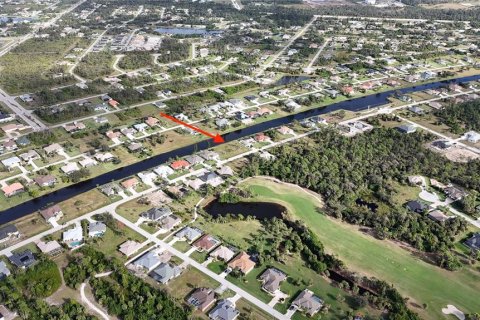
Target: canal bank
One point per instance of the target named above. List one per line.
(354, 105)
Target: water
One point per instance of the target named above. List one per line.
(355, 105)
(188, 31)
(290, 79)
(259, 210)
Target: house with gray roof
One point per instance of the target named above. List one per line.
(155, 214)
(211, 178)
(224, 310)
(272, 279)
(4, 272)
(96, 229)
(169, 222)
(407, 128)
(474, 242)
(189, 234)
(22, 259)
(165, 272)
(147, 261)
(7, 232)
(308, 302)
(194, 159)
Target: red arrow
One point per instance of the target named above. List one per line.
(217, 138)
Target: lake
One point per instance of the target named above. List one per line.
(259, 210)
(188, 31)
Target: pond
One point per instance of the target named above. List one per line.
(290, 79)
(188, 31)
(260, 210)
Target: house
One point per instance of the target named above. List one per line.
(307, 302)
(285, 130)
(129, 247)
(4, 271)
(73, 237)
(195, 184)
(8, 232)
(242, 262)
(151, 121)
(225, 171)
(438, 216)
(51, 248)
(113, 103)
(101, 120)
(473, 242)
(155, 214)
(209, 155)
(147, 261)
(45, 181)
(135, 146)
(51, 214)
(22, 259)
(271, 279)
(53, 148)
(223, 253)
(416, 206)
(416, 110)
(194, 159)
(291, 105)
(211, 178)
(261, 137)
(206, 243)
(141, 127)
(109, 189)
(224, 310)
(189, 234)
(23, 141)
(472, 136)
(147, 177)
(114, 136)
(222, 123)
(163, 171)
(347, 90)
(169, 222)
(87, 162)
(179, 165)
(165, 272)
(202, 298)
(96, 229)
(130, 183)
(30, 155)
(104, 157)
(11, 162)
(10, 145)
(454, 193)
(74, 127)
(13, 189)
(442, 144)
(9, 128)
(69, 168)
(407, 128)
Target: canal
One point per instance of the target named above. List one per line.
(355, 105)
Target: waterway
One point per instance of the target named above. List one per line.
(188, 31)
(355, 105)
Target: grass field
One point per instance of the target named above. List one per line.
(414, 278)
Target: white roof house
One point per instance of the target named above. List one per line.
(472, 136)
(163, 171)
(129, 247)
(87, 162)
(49, 247)
(223, 253)
(73, 236)
(147, 177)
(70, 167)
(11, 162)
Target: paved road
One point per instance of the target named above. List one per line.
(21, 112)
(310, 65)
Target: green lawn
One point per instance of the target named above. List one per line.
(217, 266)
(414, 278)
(251, 284)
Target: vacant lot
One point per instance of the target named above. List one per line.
(414, 278)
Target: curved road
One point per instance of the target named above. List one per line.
(90, 305)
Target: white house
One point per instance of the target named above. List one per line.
(73, 237)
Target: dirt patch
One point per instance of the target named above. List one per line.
(459, 154)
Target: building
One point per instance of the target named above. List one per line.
(179, 165)
(163, 171)
(96, 229)
(45, 181)
(147, 261)
(407, 128)
(416, 206)
(73, 237)
(4, 271)
(416, 110)
(189, 234)
(223, 253)
(22, 259)
(472, 136)
(438, 216)
(224, 310)
(194, 159)
(53, 148)
(13, 189)
(202, 298)
(129, 183)
(211, 178)
(51, 248)
(474, 242)
(454, 193)
(8, 232)
(170, 222)
(225, 171)
(87, 162)
(30, 155)
(70, 168)
(307, 302)
(165, 272)
(242, 263)
(11, 162)
(51, 214)
(129, 247)
(272, 278)
(206, 243)
(155, 214)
